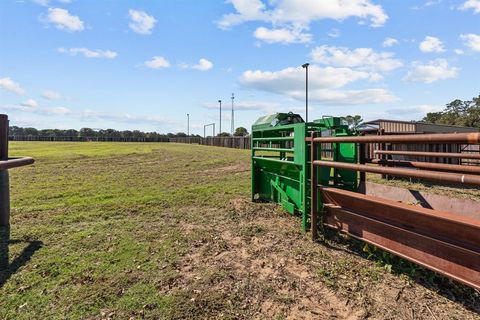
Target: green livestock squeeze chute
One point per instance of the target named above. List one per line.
(281, 162)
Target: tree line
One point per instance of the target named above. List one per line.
(105, 133)
(457, 113)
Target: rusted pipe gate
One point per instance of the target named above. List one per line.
(5, 164)
(445, 242)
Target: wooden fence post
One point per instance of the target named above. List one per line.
(4, 180)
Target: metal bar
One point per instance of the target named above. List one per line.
(429, 165)
(313, 189)
(430, 154)
(274, 139)
(15, 162)
(276, 160)
(457, 229)
(273, 149)
(472, 138)
(455, 262)
(407, 173)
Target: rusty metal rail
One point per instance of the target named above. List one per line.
(455, 155)
(444, 177)
(464, 138)
(429, 165)
(445, 242)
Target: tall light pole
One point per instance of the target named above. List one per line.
(220, 120)
(305, 66)
(188, 124)
(233, 115)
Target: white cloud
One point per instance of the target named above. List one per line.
(141, 22)
(87, 53)
(363, 58)
(388, 42)
(471, 4)
(427, 4)
(203, 65)
(472, 41)
(435, 70)
(46, 3)
(247, 105)
(51, 95)
(415, 110)
(157, 62)
(31, 106)
(324, 84)
(302, 12)
(289, 18)
(12, 86)
(282, 35)
(29, 103)
(431, 44)
(41, 2)
(63, 20)
(459, 51)
(334, 33)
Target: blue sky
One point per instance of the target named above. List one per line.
(144, 65)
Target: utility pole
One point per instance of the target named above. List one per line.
(233, 116)
(305, 66)
(188, 125)
(220, 120)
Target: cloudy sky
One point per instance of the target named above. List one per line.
(139, 64)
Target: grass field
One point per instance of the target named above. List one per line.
(132, 230)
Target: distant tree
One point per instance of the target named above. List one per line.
(181, 135)
(70, 133)
(241, 132)
(87, 132)
(224, 134)
(353, 121)
(30, 132)
(458, 112)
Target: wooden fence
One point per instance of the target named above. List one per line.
(227, 142)
(86, 139)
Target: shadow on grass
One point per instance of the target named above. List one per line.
(452, 290)
(7, 269)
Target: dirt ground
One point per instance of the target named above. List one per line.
(260, 265)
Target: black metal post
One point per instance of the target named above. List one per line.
(305, 66)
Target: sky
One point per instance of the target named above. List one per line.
(139, 64)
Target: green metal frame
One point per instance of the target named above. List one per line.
(281, 161)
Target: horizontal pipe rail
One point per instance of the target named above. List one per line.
(429, 165)
(450, 260)
(272, 149)
(465, 138)
(273, 139)
(15, 162)
(276, 160)
(406, 173)
(446, 226)
(430, 154)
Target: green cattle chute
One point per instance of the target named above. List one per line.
(281, 160)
